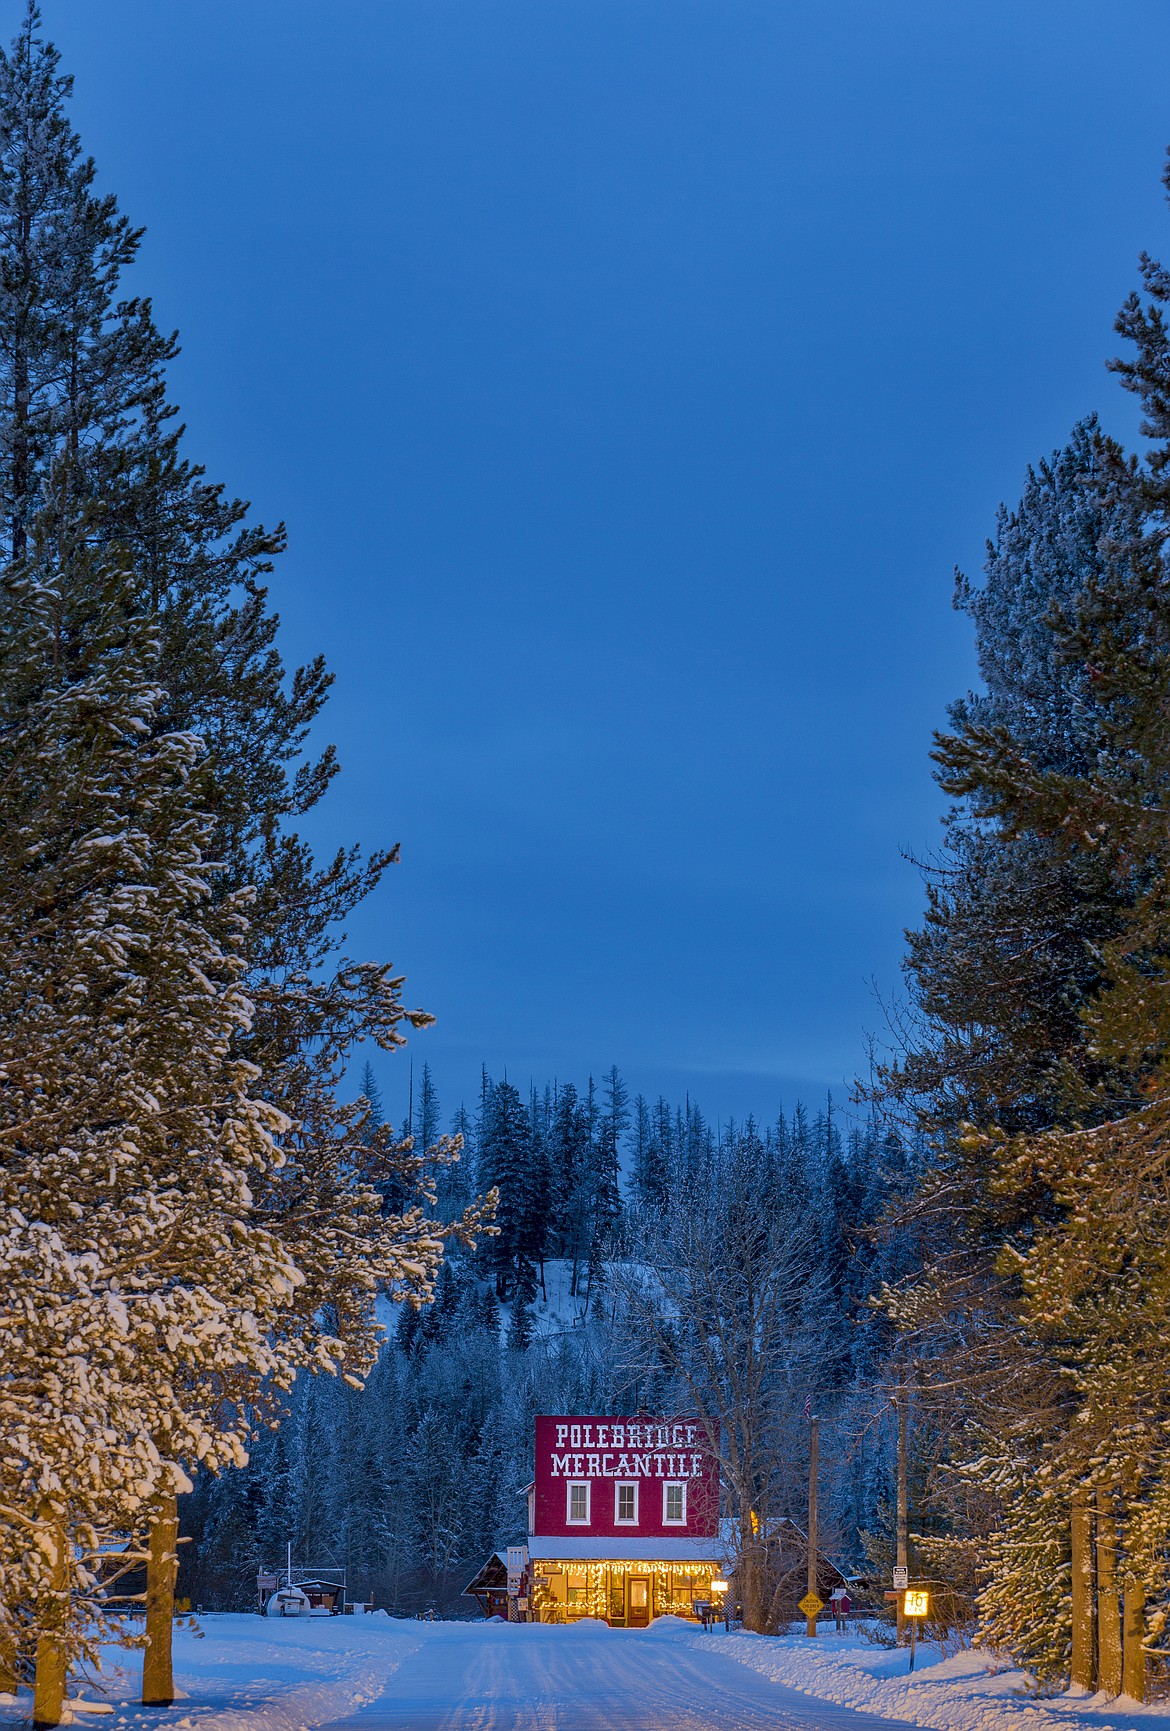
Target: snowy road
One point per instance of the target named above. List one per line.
(500, 1677)
(238, 1672)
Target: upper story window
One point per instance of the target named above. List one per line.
(577, 1513)
(674, 1505)
(625, 1507)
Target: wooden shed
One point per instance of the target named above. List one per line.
(489, 1588)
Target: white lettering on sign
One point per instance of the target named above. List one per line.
(626, 1466)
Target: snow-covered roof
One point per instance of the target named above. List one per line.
(581, 1550)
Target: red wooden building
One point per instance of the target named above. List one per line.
(623, 1520)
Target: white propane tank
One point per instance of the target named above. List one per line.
(288, 1602)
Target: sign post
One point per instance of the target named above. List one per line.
(915, 1604)
(810, 1627)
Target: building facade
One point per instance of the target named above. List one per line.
(623, 1520)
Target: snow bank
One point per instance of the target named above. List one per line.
(962, 1692)
(246, 1673)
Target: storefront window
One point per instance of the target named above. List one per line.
(576, 1592)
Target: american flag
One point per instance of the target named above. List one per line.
(808, 1407)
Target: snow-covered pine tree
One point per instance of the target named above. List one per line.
(1002, 972)
(1006, 958)
(1049, 1204)
(91, 461)
(1093, 1268)
(136, 1277)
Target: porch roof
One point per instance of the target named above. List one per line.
(626, 1550)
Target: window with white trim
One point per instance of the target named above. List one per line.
(577, 1499)
(625, 1505)
(674, 1505)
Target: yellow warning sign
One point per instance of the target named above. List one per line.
(915, 1604)
(810, 1605)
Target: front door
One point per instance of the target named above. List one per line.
(638, 1602)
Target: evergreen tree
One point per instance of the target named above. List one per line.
(651, 1155)
(520, 1326)
(569, 1180)
(1047, 1195)
(140, 1277)
(373, 1094)
(109, 524)
(607, 1199)
(1008, 957)
(426, 1113)
(514, 1167)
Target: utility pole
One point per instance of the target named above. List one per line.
(903, 1515)
(810, 1627)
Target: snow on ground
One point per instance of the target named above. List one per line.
(966, 1691)
(555, 1310)
(381, 1674)
(245, 1673)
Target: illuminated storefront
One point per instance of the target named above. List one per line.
(628, 1592)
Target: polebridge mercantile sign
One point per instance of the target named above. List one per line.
(634, 1477)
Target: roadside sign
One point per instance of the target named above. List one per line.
(901, 1579)
(811, 1605)
(916, 1604)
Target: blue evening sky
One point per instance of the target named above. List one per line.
(631, 374)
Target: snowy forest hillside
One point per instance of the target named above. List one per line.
(411, 1482)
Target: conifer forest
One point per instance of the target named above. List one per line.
(244, 1313)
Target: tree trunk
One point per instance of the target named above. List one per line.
(51, 1662)
(1108, 1603)
(1083, 1657)
(158, 1683)
(9, 1667)
(749, 1576)
(1133, 1654)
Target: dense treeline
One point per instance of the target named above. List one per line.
(411, 1482)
